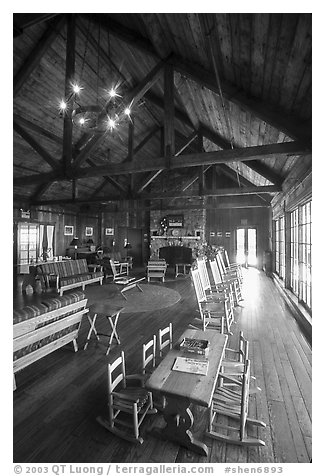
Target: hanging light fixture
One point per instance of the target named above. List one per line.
(96, 117)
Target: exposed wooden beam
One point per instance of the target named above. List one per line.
(169, 128)
(279, 151)
(36, 55)
(255, 165)
(137, 149)
(229, 192)
(214, 137)
(41, 189)
(226, 192)
(69, 78)
(54, 163)
(36, 128)
(153, 175)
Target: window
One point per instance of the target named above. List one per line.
(300, 253)
(27, 245)
(305, 254)
(280, 247)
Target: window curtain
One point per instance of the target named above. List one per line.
(50, 233)
(41, 235)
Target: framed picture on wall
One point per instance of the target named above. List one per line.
(89, 231)
(68, 230)
(109, 231)
(175, 221)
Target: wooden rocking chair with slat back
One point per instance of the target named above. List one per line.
(212, 314)
(233, 405)
(233, 366)
(125, 400)
(214, 293)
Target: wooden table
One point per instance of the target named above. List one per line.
(111, 314)
(181, 389)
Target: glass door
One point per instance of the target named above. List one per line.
(246, 246)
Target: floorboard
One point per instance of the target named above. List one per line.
(59, 397)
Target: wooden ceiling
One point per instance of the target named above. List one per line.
(221, 105)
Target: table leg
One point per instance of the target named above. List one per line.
(114, 331)
(179, 421)
(92, 329)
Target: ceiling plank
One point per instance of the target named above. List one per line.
(279, 151)
(276, 118)
(36, 55)
(54, 163)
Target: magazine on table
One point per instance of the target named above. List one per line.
(190, 365)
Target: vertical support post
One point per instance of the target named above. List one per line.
(131, 152)
(201, 168)
(69, 78)
(169, 110)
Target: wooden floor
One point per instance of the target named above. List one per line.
(58, 398)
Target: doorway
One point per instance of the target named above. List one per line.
(246, 252)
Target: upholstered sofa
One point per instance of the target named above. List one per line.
(41, 328)
(68, 274)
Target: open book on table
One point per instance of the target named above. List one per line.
(190, 365)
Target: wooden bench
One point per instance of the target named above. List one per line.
(69, 274)
(156, 268)
(42, 328)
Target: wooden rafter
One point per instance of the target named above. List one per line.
(153, 175)
(54, 163)
(229, 192)
(36, 55)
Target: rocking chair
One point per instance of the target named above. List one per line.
(134, 401)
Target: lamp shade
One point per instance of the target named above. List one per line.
(74, 242)
(90, 241)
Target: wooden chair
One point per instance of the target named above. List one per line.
(232, 272)
(212, 314)
(135, 401)
(233, 365)
(230, 280)
(156, 268)
(232, 266)
(233, 405)
(165, 339)
(119, 269)
(215, 292)
(148, 361)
